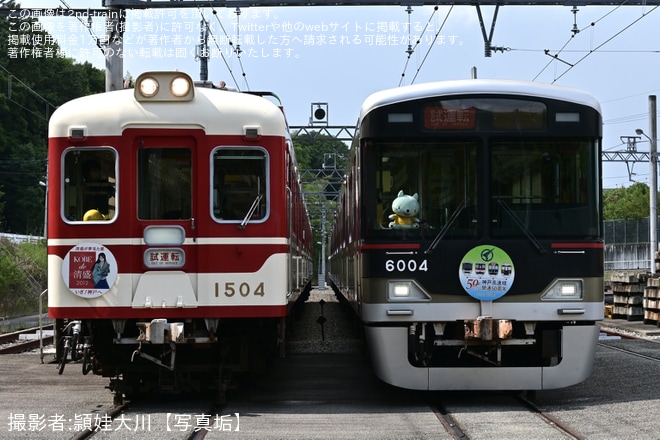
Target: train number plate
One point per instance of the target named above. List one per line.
(403, 265)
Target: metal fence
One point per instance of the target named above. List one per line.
(627, 244)
(631, 231)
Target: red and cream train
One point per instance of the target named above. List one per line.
(178, 232)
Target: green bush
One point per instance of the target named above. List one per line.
(23, 276)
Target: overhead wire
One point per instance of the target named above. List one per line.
(575, 31)
(411, 48)
(555, 57)
(627, 118)
(604, 43)
(29, 89)
(432, 43)
(512, 49)
(21, 179)
(650, 92)
(87, 25)
(214, 39)
(624, 119)
(236, 49)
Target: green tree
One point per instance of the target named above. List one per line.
(323, 158)
(38, 79)
(623, 203)
(313, 150)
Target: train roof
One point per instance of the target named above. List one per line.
(477, 87)
(215, 111)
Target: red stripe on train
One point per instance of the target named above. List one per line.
(169, 313)
(578, 246)
(368, 246)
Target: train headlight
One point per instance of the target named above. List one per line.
(148, 87)
(405, 290)
(401, 290)
(180, 86)
(163, 87)
(564, 290)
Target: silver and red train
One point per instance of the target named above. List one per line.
(177, 231)
(469, 234)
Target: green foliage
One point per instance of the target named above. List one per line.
(23, 276)
(313, 151)
(32, 87)
(624, 203)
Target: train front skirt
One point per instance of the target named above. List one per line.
(389, 352)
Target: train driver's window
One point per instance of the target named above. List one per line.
(239, 184)
(440, 175)
(165, 183)
(90, 184)
(541, 187)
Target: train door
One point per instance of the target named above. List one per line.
(166, 209)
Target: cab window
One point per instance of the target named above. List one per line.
(90, 184)
(440, 176)
(164, 184)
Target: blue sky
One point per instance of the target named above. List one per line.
(341, 54)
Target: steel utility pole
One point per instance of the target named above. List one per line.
(653, 181)
(653, 223)
(653, 128)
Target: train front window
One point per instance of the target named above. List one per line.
(544, 188)
(90, 184)
(164, 183)
(441, 174)
(239, 184)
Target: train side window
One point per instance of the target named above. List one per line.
(239, 184)
(90, 184)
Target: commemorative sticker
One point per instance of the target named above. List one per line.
(89, 270)
(486, 272)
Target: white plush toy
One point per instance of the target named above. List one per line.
(405, 209)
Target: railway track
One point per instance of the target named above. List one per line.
(549, 419)
(10, 343)
(654, 358)
(498, 415)
(482, 415)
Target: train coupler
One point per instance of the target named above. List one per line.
(486, 328)
(154, 359)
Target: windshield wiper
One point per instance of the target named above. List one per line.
(521, 225)
(250, 212)
(446, 227)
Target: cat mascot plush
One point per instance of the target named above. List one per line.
(405, 209)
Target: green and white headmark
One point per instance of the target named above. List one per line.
(486, 272)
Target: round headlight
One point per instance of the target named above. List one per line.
(148, 87)
(180, 86)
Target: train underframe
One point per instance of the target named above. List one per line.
(201, 356)
(484, 342)
(168, 355)
(483, 354)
